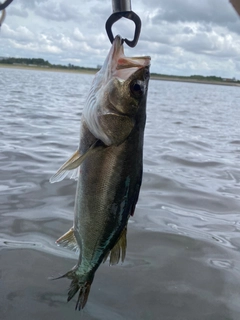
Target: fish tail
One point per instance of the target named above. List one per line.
(79, 283)
(84, 289)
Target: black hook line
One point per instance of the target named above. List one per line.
(5, 4)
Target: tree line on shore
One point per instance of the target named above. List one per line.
(198, 78)
(41, 63)
(44, 63)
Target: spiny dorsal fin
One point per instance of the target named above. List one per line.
(73, 163)
(68, 240)
(119, 250)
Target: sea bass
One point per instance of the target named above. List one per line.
(110, 154)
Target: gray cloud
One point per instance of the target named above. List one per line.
(206, 12)
(29, 4)
(214, 11)
(58, 11)
(17, 12)
(182, 36)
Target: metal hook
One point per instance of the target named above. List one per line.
(122, 9)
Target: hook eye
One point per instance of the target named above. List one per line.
(128, 15)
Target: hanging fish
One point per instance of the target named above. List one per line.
(110, 154)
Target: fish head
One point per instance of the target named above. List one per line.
(118, 95)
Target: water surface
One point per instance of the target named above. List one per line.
(183, 259)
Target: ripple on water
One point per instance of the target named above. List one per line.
(224, 264)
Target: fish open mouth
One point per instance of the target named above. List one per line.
(123, 67)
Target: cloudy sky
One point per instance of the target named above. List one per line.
(183, 37)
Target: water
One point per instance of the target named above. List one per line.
(183, 259)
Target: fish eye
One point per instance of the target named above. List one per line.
(136, 88)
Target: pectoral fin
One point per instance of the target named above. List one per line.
(66, 170)
(119, 250)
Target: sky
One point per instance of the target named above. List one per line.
(183, 37)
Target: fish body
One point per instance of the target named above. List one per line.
(110, 154)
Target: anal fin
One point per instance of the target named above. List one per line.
(68, 240)
(119, 250)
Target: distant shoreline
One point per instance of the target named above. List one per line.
(36, 68)
(219, 83)
(86, 71)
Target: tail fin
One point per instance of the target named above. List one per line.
(77, 284)
(83, 293)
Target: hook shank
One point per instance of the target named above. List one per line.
(121, 5)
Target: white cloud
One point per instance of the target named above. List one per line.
(77, 35)
(43, 48)
(21, 34)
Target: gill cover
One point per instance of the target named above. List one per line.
(115, 95)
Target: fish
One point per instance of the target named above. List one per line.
(107, 165)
